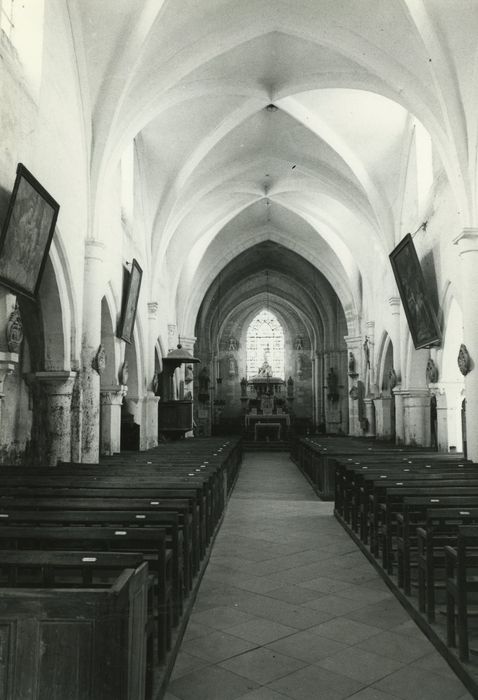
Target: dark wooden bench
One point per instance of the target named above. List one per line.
(150, 542)
(48, 634)
(461, 584)
(440, 529)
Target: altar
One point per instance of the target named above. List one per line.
(264, 422)
(265, 414)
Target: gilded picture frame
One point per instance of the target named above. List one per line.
(130, 302)
(26, 234)
(420, 314)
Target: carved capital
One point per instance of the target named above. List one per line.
(113, 395)
(56, 383)
(153, 307)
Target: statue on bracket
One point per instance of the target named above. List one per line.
(351, 364)
(233, 344)
(99, 360)
(124, 374)
(366, 349)
(392, 379)
(155, 383)
(431, 372)
(464, 360)
(299, 344)
(14, 330)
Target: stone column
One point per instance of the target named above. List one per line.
(149, 422)
(416, 417)
(111, 399)
(467, 243)
(354, 345)
(383, 417)
(8, 363)
(56, 389)
(394, 303)
(148, 432)
(91, 339)
(448, 396)
(370, 416)
(399, 394)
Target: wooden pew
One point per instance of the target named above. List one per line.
(150, 542)
(461, 583)
(101, 500)
(48, 635)
(113, 519)
(440, 529)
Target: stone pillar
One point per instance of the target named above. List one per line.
(354, 345)
(383, 417)
(394, 303)
(467, 243)
(370, 416)
(399, 394)
(111, 399)
(8, 363)
(150, 414)
(416, 417)
(148, 431)
(56, 388)
(91, 339)
(448, 396)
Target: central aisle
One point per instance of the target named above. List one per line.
(290, 608)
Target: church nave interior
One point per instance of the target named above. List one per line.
(231, 228)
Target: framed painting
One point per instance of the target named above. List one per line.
(421, 317)
(130, 302)
(26, 234)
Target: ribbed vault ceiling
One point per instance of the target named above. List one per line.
(218, 172)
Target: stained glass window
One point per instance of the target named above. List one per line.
(265, 346)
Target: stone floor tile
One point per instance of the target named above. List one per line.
(257, 584)
(262, 665)
(367, 595)
(347, 631)
(313, 682)
(434, 662)
(334, 604)
(398, 646)
(264, 693)
(409, 628)
(371, 693)
(260, 631)
(385, 614)
(325, 584)
(307, 646)
(220, 617)
(211, 683)
(360, 665)
(318, 622)
(194, 631)
(411, 682)
(217, 646)
(294, 594)
(185, 663)
(285, 613)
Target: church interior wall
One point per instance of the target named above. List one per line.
(50, 122)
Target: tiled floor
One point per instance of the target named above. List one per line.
(289, 608)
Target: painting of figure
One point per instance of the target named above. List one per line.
(421, 317)
(26, 234)
(130, 302)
